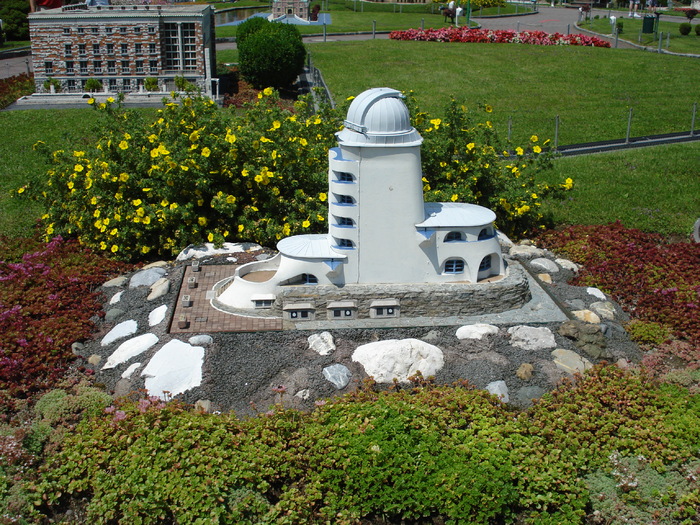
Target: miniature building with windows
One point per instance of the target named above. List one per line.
(290, 8)
(122, 45)
(381, 232)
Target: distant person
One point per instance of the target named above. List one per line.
(41, 5)
(652, 5)
(634, 6)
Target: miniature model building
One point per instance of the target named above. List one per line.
(290, 8)
(121, 46)
(383, 239)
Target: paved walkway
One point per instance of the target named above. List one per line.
(549, 19)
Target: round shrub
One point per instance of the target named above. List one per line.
(250, 26)
(272, 56)
(697, 29)
(92, 85)
(684, 28)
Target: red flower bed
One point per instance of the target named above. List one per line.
(46, 301)
(466, 35)
(652, 280)
(15, 87)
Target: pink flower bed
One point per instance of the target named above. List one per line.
(464, 34)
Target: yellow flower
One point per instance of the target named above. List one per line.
(103, 245)
(537, 149)
(145, 249)
(123, 177)
(206, 152)
(70, 185)
(91, 101)
(240, 228)
(230, 137)
(322, 197)
(78, 168)
(267, 91)
(210, 237)
(436, 122)
(276, 124)
(286, 229)
(488, 109)
(110, 100)
(230, 199)
(305, 224)
(114, 248)
(173, 206)
(470, 146)
(123, 145)
(454, 197)
(303, 142)
(320, 217)
(140, 212)
(164, 203)
(96, 213)
(136, 202)
(519, 150)
(194, 136)
(245, 173)
(534, 138)
(202, 221)
(568, 184)
(533, 195)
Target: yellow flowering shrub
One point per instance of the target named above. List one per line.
(196, 173)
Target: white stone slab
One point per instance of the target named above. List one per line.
(531, 338)
(116, 297)
(123, 329)
(130, 371)
(146, 277)
(596, 293)
(175, 368)
(499, 389)
(159, 289)
(476, 331)
(131, 348)
(570, 362)
(321, 343)
(157, 315)
(398, 358)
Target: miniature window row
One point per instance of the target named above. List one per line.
(108, 30)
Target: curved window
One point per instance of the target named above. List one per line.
(454, 266)
(485, 264)
(345, 243)
(485, 234)
(345, 221)
(308, 278)
(341, 176)
(454, 237)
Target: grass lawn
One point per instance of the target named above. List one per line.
(591, 89)
(631, 32)
(654, 189)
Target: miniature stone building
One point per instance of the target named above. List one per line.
(123, 45)
(290, 8)
(385, 247)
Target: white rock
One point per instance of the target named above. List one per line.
(321, 343)
(128, 349)
(545, 278)
(337, 374)
(156, 264)
(130, 371)
(146, 277)
(499, 389)
(604, 309)
(200, 340)
(530, 338)
(586, 316)
(199, 251)
(503, 239)
(568, 265)
(596, 293)
(116, 282)
(525, 251)
(116, 297)
(123, 329)
(175, 368)
(570, 362)
(542, 264)
(303, 394)
(476, 331)
(399, 358)
(157, 315)
(159, 289)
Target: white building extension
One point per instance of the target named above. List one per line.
(380, 229)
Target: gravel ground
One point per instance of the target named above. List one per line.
(241, 369)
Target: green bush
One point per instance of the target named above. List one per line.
(52, 82)
(697, 29)
(13, 14)
(151, 84)
(272, 56)
(620, 26)
(92, 85)
(684, 28)
(250, 26)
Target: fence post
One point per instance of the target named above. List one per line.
(422, 24)
(568, 29)
(617, 36)
(510, 126)
(629, 127)
(661, 40)
(692, 121)
(668, 40)
(324, 31)
(374, 29)
(556, 133)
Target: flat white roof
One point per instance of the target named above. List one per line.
(312, 246)
(455, 215)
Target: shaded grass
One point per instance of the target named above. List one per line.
(591, 89)
(653, 189)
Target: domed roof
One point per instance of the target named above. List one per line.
(378, 117)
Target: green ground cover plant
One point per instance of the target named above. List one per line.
(591, 107)
(419, 453)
